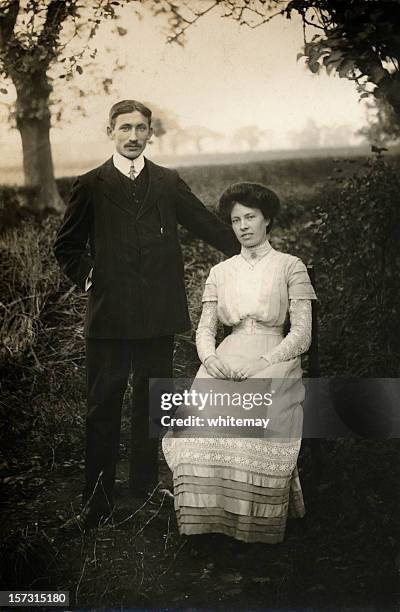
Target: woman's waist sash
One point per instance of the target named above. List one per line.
(252, 326)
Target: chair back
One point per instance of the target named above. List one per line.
(313, 353)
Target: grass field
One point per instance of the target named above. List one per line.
(342, 556)
(11, 167)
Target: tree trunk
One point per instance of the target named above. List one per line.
(38, 164)
(33, 123)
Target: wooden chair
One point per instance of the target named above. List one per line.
(313, 371)
(313, 354)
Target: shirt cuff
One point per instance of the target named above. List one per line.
(88, 281)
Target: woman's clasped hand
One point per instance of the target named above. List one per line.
(220, 368)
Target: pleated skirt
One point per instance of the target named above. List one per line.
(241, 487)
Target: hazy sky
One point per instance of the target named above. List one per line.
(229, 76)
(226, 76)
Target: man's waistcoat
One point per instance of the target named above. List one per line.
(138, 277)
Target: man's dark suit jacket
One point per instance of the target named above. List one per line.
(138, 278)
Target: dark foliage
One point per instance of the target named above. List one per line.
(356, 231)
(15, 205)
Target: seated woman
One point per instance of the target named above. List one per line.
(246, 487)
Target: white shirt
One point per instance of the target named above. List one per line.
(123, 164)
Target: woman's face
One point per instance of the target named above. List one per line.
(249, 224)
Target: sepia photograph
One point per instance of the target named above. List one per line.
(200, 305)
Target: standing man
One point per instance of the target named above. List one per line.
(119, 242)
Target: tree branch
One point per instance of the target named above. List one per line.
(180, 18)
(312, 24)
(8, 20)
(57, 12)
(263, 21)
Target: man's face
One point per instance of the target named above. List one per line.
(130, 134)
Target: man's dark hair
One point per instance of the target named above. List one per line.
(253, 195)
(127, 106)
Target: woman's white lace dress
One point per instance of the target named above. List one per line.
(246, 487)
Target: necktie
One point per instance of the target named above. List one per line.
(132, 172)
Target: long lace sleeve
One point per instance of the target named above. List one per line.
(206, 331)
(298, 339)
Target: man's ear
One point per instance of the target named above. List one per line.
(109, 131)
(150, 134)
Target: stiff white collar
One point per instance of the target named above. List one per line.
(252, 254)
(123, 164)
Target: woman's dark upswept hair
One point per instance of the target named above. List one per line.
(253, 195)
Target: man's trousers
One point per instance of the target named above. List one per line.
(108, 365)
